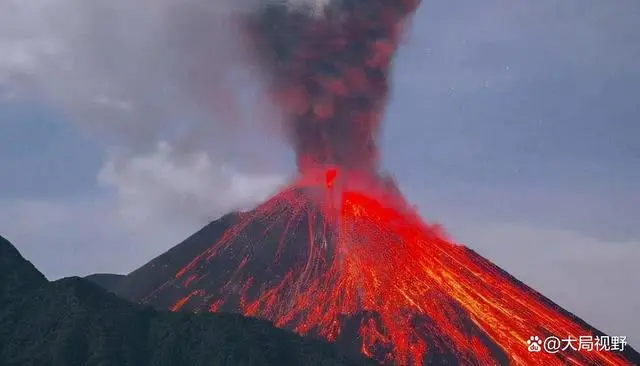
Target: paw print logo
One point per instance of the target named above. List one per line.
(534, 343)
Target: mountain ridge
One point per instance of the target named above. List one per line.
(17, 275)
(73, 321)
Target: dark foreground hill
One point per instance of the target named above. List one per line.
(106, 280)
(75, 322)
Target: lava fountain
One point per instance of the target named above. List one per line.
(338, 253)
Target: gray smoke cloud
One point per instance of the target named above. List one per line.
(135, 69)
(166, 83)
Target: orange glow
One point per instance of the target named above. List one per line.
(382, 259)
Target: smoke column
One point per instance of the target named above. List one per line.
(328, 69)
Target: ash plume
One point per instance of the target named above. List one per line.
(327, 67)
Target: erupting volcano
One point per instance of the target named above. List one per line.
(338, 253)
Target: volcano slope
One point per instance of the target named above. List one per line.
(74, 322)
(382, 284)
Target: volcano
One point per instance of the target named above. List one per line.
(369, 277)
(338, 253)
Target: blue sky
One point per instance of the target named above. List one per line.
(514, 124)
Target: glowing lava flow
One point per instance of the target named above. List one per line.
(339, 254)
(413, 292)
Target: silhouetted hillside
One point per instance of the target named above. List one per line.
(106, 280)
(75, 322)
(17, 275)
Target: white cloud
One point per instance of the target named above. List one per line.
(162, 187)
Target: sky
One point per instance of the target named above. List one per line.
(127, 126)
